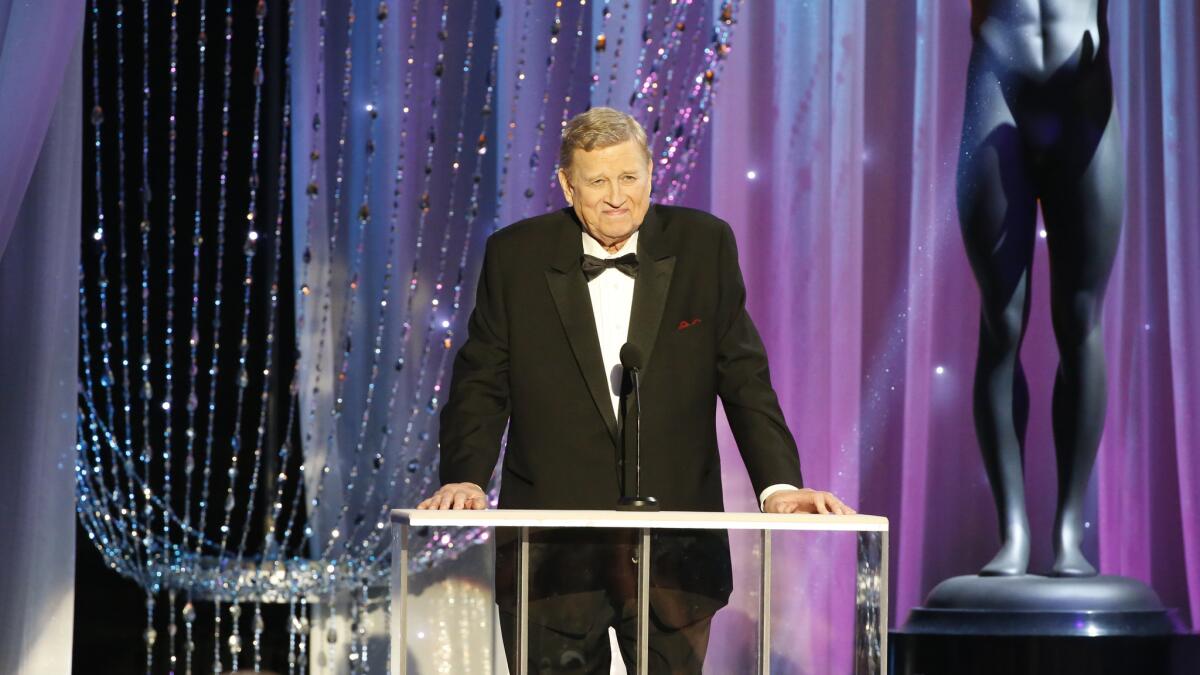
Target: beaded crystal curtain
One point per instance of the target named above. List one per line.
(280, 247)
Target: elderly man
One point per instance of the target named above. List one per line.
(558, 297)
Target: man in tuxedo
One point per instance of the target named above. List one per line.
(558, 296)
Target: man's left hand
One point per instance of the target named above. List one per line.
(806, 500)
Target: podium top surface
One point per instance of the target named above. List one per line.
(698, 520)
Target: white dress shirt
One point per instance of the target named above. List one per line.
(611, 292)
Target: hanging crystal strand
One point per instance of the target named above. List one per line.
(217, 667)
(355, 637)
(106, 524)
(555, 133)
(656, 87)
(251, 245)
(249, 248)
(615, 70)
(150, 635)
(301, 300)
(312, 190)
(640, 69)
(556, 28)
(535, 156)
(419, 245)
(259, 625)
(419, 403)
(243, 377)
(327, 283)
(293, 629)
(510, 134)
(350, 299)
(218, 292)
(235, 633)
(301, 304)
(153, 552)
(705, 92)
(376, 547)
(128, 502)
(169, 552)
(687, 124)
(189, 647)
(331, 631)
(193, 401)
(305, 626)
(368, 548)
(363, 621)
(123, 420)
(380, 455)
(172, 631)
(425, 207)
(601, 46)
(274, 548)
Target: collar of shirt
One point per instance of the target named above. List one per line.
(593, 248)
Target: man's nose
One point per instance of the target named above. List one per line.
(615, 197)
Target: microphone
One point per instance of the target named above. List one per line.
(631, 363)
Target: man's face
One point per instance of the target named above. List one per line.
(609, 188)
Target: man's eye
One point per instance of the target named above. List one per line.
(628, 179)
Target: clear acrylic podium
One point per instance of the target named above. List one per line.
(522, 532)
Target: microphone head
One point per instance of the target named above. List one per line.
(631, 356)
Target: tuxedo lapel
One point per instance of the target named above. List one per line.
(656, 265)
(569, 289)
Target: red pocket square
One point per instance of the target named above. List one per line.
(685, 324)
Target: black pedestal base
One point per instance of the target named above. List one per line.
(932, 654)
(1036, 605)
(1035, 625)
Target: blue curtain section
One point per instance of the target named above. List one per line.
(41, 93)
(834, 149)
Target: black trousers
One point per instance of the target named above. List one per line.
(582, 582)
(672, 650)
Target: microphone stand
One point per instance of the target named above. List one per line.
(637, 502)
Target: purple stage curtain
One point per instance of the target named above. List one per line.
(849, 116)
(41, 142)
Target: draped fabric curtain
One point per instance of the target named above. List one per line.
(41, 93)
(834, 153)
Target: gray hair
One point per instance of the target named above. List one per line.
(599, 128)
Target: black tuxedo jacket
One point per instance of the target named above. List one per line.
(532, 362)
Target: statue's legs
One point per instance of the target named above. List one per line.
(997, 212)
(1083, 206)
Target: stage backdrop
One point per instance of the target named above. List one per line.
(834, 152)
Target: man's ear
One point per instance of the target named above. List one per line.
(565, 183)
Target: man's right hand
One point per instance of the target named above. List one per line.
(456, 496)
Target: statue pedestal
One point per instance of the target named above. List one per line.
(1034, 624)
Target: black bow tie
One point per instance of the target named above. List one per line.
(593, 266)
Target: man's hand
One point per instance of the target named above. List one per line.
(456, 496)
(806, 500)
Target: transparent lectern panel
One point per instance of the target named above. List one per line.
(805, 620)
(477, 600)
(445, 608)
